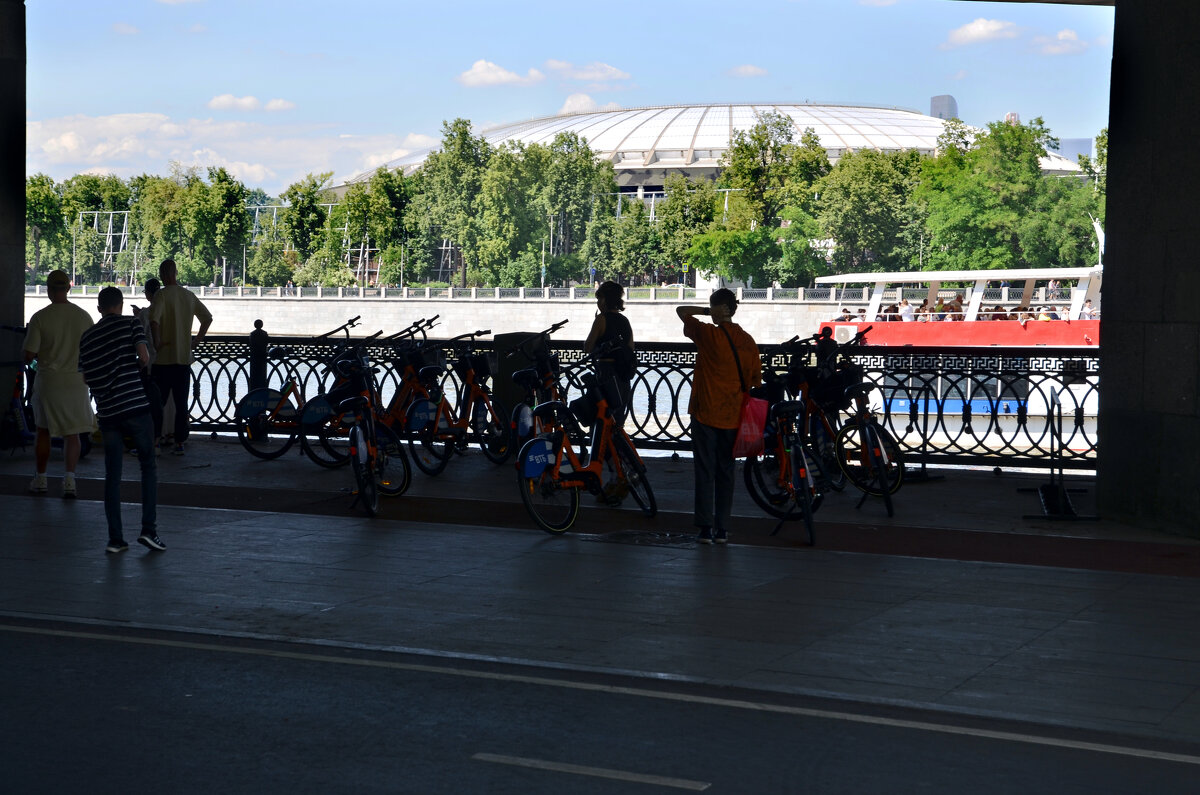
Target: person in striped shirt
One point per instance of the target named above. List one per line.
(112, 355)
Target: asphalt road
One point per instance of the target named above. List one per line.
(96, 709)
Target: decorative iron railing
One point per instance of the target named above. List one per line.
(944, 405)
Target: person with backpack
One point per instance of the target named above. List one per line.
(619, 366)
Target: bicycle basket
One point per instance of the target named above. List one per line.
(797, 376)
(830, 392)
(475, 361)
(770, 391)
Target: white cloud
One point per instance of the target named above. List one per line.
(230, 102)
(1065, 42)
(747, 70)
(879, 3)
(959, 75)
(124, 29)
(978, 31)
(198, 28)
(582, 103)
(267, 155)
(486, 73)
(280, 104)
(595, 71)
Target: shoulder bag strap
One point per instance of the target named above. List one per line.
(736, 359)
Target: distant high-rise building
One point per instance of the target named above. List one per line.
(1012, 117)
(943, 106)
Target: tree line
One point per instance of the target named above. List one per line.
(523, 215)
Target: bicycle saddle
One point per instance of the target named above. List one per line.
(855, 391)
(787, 407)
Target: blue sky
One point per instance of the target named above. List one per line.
(273, 90)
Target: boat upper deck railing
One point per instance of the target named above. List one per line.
(852, 297)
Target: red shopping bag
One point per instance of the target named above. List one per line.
(749, 439)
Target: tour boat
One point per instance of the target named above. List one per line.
(1058, 316)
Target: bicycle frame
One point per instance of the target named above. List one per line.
(559, 449)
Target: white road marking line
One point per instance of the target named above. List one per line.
(598, 772)
(729, 703)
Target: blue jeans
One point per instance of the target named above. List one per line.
(712, 454)
(139, 428)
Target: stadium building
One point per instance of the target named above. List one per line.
(646, 144)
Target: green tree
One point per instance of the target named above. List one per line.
(271, 265)
(863, 201)
(44, 224)
(808, 165)
(979, 201)
(453, 180)
(688, 210)
(758, 163)
(231, 223)
(304, 219)
(748, 255)
(799, 260)
(508, 219)
(635, 244)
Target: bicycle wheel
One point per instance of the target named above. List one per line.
(871, 468)
(392, 472)
(768, 478)
(327, 443)
(263, 435)
(635, 474)
(552, 506)
(491, 429)
(364, 472)
(429, 451)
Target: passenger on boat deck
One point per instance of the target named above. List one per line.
(955, 308)
(1087, 312)
(923, 315)
(862, 315)
(845, 317)
(939, 310)
(906, 310)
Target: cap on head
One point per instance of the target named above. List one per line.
(58, 279)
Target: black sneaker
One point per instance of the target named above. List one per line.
(115, 547)
(721, 537)
(153, 542)
(705, 535)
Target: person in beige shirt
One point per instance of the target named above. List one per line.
(171, 314)
(61, 404)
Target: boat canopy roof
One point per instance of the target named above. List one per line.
(1088, 282)
(924, 277)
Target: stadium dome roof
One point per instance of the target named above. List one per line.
(645, 144)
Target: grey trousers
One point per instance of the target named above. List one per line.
(712, 454)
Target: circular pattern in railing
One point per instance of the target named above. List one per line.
(942, 405)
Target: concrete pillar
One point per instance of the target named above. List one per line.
(12, 184)
(1150, 347)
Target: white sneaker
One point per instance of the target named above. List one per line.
(68, 487)
(38, 484)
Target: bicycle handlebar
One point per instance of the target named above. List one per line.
(349, 324)
(520, 346)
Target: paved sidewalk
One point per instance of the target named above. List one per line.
(271, 549)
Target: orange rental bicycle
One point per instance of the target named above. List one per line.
(437, 428)
(550, 473)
